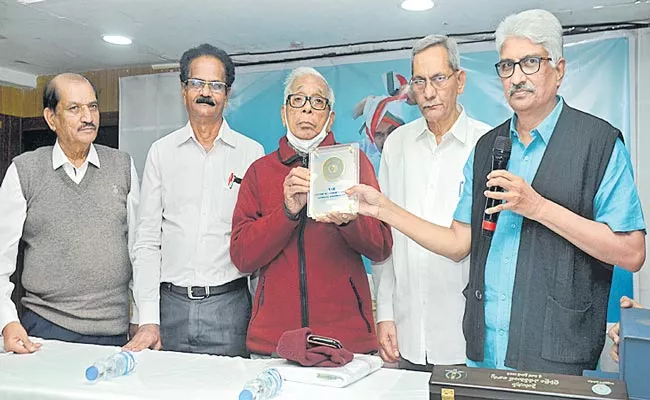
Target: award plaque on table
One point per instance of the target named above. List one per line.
(333, 170)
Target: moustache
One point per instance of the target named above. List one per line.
(205, 100)
(88, 125)
(519, 87)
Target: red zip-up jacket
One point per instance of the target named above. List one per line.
(311, 273)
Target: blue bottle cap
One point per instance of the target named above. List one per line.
(246, 395)
(92, 373)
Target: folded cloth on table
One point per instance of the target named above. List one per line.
(293, 346)
(361, 366)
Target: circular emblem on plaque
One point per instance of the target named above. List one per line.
(333, 168)
(455, 374)
(601, 389)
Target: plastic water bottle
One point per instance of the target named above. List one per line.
(267, 384)
(118, 364)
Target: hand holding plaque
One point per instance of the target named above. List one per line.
(333, 170)
(295, 188)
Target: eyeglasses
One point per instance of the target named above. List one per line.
(529, 65)
(438, 81)
(198, 84)
(299, 101)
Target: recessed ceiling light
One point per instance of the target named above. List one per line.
(417, 5)
(117, 39)
(598, 7)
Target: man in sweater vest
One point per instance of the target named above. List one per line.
(73, 205)
(538, 288)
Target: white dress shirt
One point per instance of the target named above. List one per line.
(13, 209)
(188, 197)
(420, 290)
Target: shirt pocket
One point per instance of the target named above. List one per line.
(227, 197)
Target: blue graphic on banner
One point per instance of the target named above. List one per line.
(597, 81)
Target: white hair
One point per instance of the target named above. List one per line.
(539, 26)
(439, 40)
(302, 71)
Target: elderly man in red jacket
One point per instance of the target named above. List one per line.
(311, 272)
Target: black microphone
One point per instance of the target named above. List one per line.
(500, 157)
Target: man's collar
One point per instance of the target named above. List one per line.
(184, 134)
(546, 127)
(59, 158)
(458, 129)
(225, 134)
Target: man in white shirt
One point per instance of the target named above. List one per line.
(74, 206)
(419, 301)
(190, 296)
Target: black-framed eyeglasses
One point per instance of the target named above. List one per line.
(529, 65)
(299, 100)
(439, 81)
(198, 84)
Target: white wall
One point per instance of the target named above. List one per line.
(643, 150)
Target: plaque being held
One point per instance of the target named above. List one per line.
(332, 170)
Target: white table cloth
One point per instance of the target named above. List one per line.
(56, 371)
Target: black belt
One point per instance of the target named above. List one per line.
(201, 292)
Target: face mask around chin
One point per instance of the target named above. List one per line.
(306, 145)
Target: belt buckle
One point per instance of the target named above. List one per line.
(191, 296)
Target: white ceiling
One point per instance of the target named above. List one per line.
(52, 36)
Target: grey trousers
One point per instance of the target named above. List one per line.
(214, 325)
